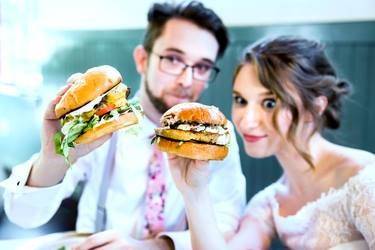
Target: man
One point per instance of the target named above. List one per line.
(176, 62)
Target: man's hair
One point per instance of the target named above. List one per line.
(195, 12)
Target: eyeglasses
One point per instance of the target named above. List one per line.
(174, 65)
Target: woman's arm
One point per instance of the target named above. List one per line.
(202, 224)
(251, 235)
(205, 234)
(361, 203)
(191, 178)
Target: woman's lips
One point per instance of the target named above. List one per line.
(253, 138)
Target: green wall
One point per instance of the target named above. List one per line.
(351, 46)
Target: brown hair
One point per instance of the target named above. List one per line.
(287, 65)
(195, 12)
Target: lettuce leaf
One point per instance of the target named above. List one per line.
(74, 126)
(64, 140)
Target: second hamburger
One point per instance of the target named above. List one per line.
(195, 131)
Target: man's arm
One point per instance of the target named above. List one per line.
(42, 174)
(111, 239)
(33, 206)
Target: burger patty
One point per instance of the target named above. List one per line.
(182, 135)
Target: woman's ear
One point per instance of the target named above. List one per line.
(140, 57)
(320, 104)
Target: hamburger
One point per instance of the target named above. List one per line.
(95, 105)
(193, 130)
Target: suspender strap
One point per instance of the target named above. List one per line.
(101, 213)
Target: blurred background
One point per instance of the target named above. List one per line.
(42, 42)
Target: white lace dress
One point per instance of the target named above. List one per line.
(342, 218)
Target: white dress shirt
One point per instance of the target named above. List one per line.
(31, 207)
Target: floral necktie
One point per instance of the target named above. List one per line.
(155, 195)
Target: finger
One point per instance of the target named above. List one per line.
(83, 149)
(200, 163)
(98, 240)
(172, 156)
(94, 242)
(100, 141)
(50, 111)
(87, 148)
(112, 246)
(63, 89)
(175, 162)
(74, 77)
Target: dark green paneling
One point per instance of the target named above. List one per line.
(76, 51)
(351, 46)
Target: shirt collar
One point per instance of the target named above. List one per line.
(148, 127)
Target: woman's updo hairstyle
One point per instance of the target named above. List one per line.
(288, 66)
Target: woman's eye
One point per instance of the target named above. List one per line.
(239, 100)
(269, 104)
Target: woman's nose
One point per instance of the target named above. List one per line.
(251, 117)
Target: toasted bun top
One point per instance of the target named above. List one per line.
(86, 87)
(193, 112)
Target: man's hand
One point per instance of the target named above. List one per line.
(51, 125)
(112, 240)
(50, 168)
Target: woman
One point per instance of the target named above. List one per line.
(285, 93)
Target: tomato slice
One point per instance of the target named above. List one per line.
(105, 109)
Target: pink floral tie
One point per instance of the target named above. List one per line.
(155, 195)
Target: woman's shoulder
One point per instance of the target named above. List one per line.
(352, 162)
(359, 190)
(357, 156)
(365, 176)
(361, 165)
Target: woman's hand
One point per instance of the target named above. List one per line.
(190, 176)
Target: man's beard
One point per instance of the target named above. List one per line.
(158, 103)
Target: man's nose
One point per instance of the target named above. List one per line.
(186, 77)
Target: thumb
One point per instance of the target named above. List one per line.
(172, 157)
(50, 111)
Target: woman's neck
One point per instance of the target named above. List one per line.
(300, 176)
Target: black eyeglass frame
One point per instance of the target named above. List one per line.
(214, 69)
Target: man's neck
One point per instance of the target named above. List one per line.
(148, 108)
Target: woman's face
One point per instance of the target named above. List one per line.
(252, 110)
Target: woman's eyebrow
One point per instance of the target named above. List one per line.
(266, 93)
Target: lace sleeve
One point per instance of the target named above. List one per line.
(361, 204)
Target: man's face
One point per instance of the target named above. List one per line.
(181, 41)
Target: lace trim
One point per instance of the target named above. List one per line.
(323, 196)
